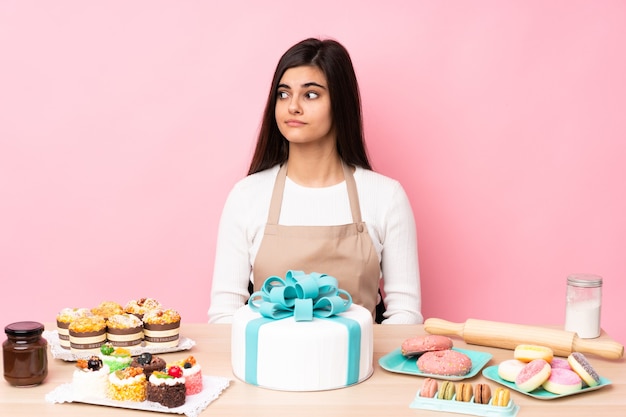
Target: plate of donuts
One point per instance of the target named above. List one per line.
(396, 362)
(540, 393)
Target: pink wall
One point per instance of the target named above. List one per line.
(123, 125)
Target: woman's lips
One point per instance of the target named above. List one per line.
(294, 123)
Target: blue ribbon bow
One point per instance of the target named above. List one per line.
(300, 295)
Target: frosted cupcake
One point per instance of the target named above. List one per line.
(149, 363)
(64, 318)
(127, 385)
(116, 358)
(124, 330)
(90, 379)
(141, 306)
(161, 328)
(193, 375)
(87, 334)
(167, 387)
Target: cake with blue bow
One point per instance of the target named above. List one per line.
(302, 333)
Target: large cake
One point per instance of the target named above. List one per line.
(302, 333)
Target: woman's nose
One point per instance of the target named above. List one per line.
(294, 106)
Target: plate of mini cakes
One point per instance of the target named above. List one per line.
(125, 384)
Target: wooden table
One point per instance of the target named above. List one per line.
(383, 394)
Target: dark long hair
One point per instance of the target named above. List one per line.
(333, 59)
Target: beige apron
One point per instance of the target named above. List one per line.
(346, 251)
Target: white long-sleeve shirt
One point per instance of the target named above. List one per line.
(385, 209)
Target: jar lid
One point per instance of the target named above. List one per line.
(585, 280)
(24, 328)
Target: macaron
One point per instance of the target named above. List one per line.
(501, 397)
(446, 391)
(509, 369)
(533, 375)
(482, 394)
(429, 388)
(445, 362)
(527, 353)
(464, 391)
(583, 368)
(415, 346)
(563, 381)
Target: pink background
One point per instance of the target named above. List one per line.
(123, 125)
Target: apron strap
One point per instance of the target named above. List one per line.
(279, 187)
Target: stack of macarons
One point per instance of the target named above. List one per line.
(465, 392)
(435, 355)
(534, 367)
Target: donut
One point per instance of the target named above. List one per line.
(563, 381)
(501, 397)
(415, 346)
(527, 353)
(583, 368)
(482, 394)
(445, 362)
(533, 374)
(560, 363)
(446, 391)
(429, 389)
(464, 391)
(509, 369)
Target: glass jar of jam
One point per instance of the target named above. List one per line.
(25, 354)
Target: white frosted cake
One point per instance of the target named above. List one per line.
(303, 355)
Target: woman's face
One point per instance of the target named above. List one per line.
(303, 112)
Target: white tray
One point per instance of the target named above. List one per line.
(213, 386)
(58, 352)
(462, 407)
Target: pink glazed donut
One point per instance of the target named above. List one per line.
(563, 381)
(445, 362)
(533, 375)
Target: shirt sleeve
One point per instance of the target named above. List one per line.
(399, 262)
(232, 268)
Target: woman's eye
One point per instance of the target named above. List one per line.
(282, 94)
(312, 95)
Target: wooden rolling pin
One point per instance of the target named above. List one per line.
(508, 336)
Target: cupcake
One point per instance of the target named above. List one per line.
(124, 330)
(167, 387)
(64, 318)
(193, 375)
(149, 363)
(161, 328)
(116, 358)
(128, 384)
(87, 334)
(90, 378)
(141, 306)
(107, 309)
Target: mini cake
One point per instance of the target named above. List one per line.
(87, 334)
(64, 318)
(193, 375)
(167, 387)
(128, 384)
(141, 306)
(116, 358)
(149, 363)
(90, 378)
(161, 327)
(107, 309)
(124, 330)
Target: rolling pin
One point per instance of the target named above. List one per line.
(508, 336)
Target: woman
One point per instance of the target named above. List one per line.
(311, 202)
